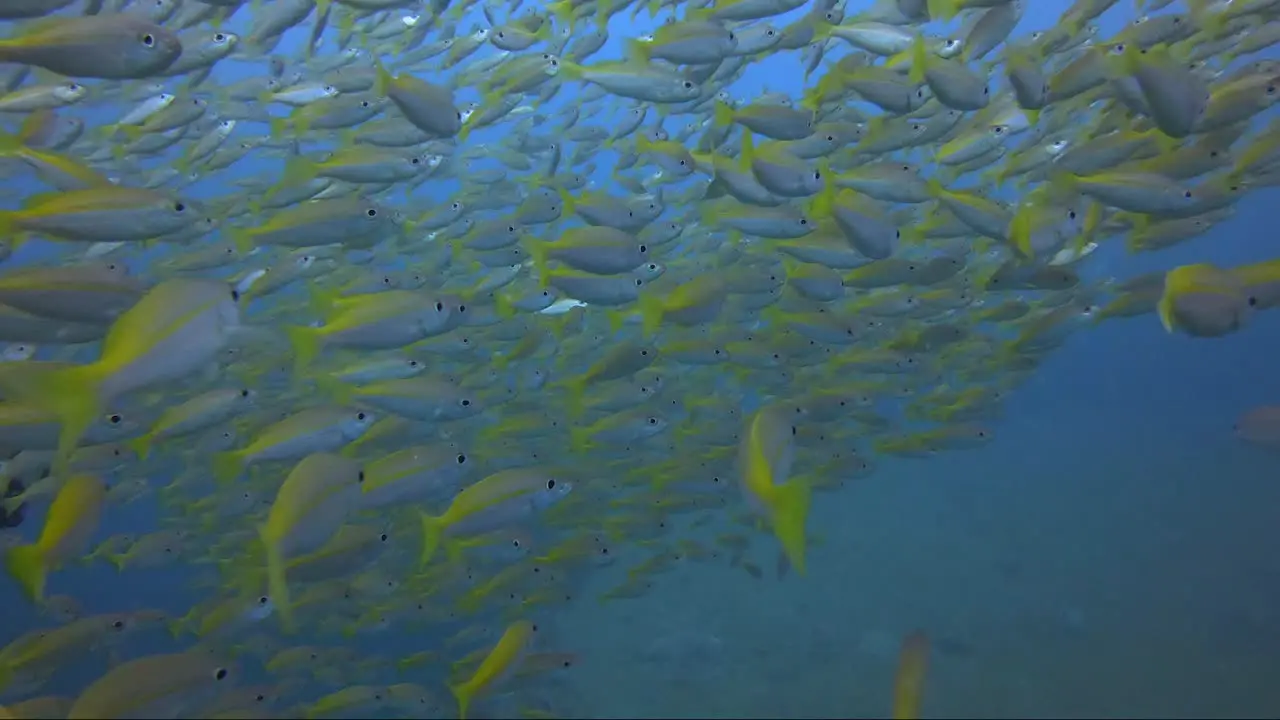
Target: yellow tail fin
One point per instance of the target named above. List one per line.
(432, 533)
(26, 564)
(71, 392)
(306, 346)
(651, 312)
(462, 693)
(789, 506)
(277, 583)
(227, 466)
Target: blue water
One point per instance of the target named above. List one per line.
(1110, 554)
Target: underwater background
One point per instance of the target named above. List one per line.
(1110, 553)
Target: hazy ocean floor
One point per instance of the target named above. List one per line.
(1111, 554)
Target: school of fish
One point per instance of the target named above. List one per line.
(499, 312)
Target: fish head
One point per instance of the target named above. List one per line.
(154, 46)
(70, 92)
(260, 608)
(358, 422)
(552, 491)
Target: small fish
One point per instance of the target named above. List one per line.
(72, 520)
(500, 660)
(115, 47)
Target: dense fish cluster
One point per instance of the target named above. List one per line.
(409, 316)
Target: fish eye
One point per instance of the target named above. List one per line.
(372, 212)
(360, 477)
(462, 308)
(149, 40)
(73, 87)
(511, 228)
(687, 85)
(259, 697)
(653, 421)
(115, 419)
(456, 206)
(235, 295)
(383, 537)
(501, 34)
(179, 207)
(439, 306)
(413, 363)
(652, 267)
(364, 103)
(360, 416)
(263, 599)
(118, 624)
(219, 38)
(220, 674)
(804, 221)
(644, 249)
(817, 175)
(1186, 194)
(415, 161)
(551, 484)
(465, 403)
(770, 33)
(461, 458)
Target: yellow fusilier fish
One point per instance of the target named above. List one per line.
(68, 528)
(167, 685)
(908, 682)
(39, 652)
(1204, 301)
(765, 454)
(309, 508)
(501, 659)
(502, 498)
(49, 706)
(176, 329)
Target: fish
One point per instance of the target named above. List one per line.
(353, 320)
